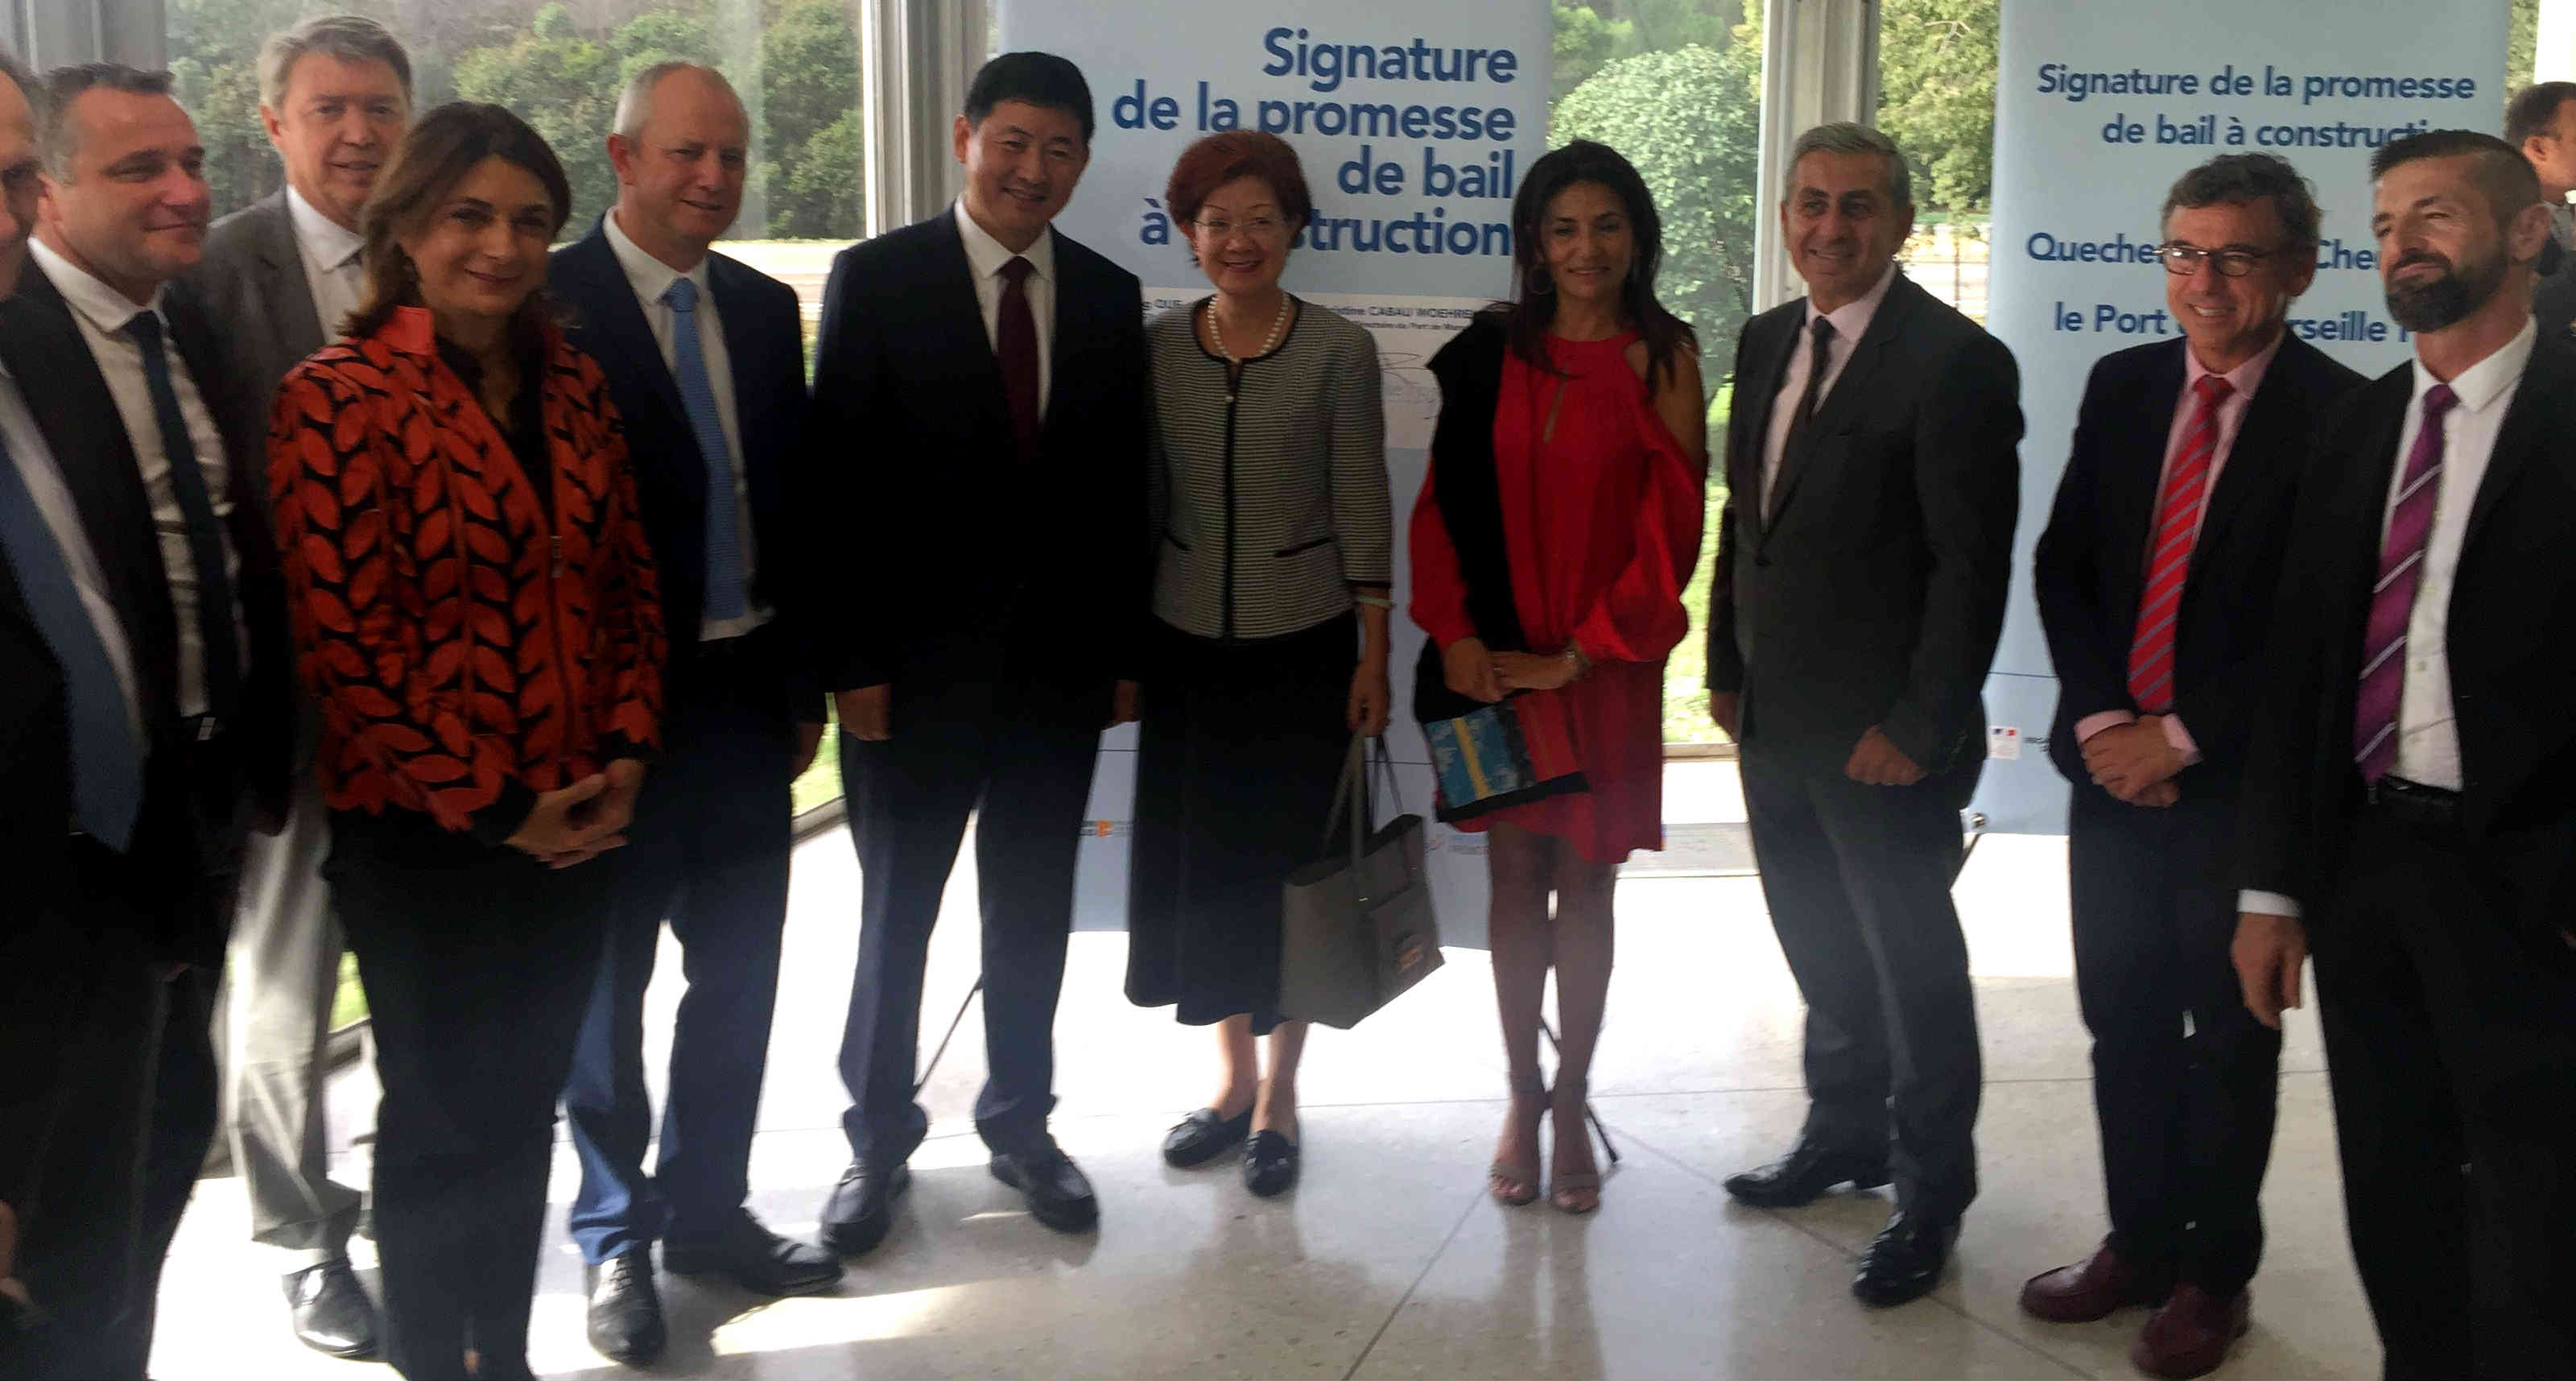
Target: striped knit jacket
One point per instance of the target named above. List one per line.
(470, 646)
(1270, 498)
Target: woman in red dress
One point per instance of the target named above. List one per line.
(1587, 447)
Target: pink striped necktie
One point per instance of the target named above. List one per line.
(2392, 600)
(2151, 650)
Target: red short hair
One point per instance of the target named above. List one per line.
(1222, 157)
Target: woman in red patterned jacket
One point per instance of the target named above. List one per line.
(475, 608)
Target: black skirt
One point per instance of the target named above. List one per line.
(1241, 747)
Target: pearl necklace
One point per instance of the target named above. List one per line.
(1278, 328)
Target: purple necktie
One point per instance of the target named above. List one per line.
(2392, 600)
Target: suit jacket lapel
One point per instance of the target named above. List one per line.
(1850, 386)
(1754, 440)
(2133, 483)
(2269, 439)
(2521, 433)
(955, 331)
(73, 408)
(624, 338)
(288, 293)
(745, 348)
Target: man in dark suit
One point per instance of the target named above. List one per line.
(995, 370)
(2540, 120)
(705, 358)
(2154, 578)
(1862, 565)
(2407, 807)
(278, 277)
(150, 508)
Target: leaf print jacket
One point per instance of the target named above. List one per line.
(470, 646)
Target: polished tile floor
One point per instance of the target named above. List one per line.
(1389, 1261)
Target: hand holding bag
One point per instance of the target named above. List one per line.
(1357, 931)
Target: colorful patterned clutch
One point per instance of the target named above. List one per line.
(1502, 755)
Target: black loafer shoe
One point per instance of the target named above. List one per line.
(861, 1208)
(1059, 1194)
(1802, 1176)
(754, 1258)
(1270, 1164)
(1203, 1135)
(1904, 1261)
(332, 1313)
(625, 1308)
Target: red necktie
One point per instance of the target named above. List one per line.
(1016, 346)
(2392, 600)
(2151, 650)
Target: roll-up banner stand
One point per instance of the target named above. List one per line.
(1414, 121)
(2098, 108)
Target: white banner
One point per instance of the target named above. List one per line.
(2099, 107)
(1413, 121)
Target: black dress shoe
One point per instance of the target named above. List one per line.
(1905, 1260)
(754, 1258)
(1803, 1175)
(1270, 1164)
(1059, 1194)
(625, 1308)
(1202, 1135)
(332, 1312)
(861, 1208)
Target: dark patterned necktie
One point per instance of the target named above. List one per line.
(1016, 346)
(196, 507)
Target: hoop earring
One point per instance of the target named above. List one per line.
(1539, 283)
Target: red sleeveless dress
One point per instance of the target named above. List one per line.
(1602, 516)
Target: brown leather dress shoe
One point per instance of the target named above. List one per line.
(2191, 1334)
(2092, 1288)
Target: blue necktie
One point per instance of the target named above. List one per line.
(725, 598)
(205, 531)
(107, 764)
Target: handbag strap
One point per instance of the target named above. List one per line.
(1354, 778)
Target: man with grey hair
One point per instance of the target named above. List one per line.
(2153, 579)
(705, 358)
(122, 376)
(278, 277)
(1863, 560)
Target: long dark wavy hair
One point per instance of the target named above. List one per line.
(1533, 306)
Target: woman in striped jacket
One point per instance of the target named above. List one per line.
(1270, 602)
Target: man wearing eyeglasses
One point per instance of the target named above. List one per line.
(2154, 578)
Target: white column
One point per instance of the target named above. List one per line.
(2554, 59)
(1819, 64)
(918, 56)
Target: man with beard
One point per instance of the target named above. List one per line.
(2407, 804)
(979, 399)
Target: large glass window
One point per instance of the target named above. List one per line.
(1676, 86)
(561, 65)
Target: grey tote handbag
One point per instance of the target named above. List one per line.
(1356, 931)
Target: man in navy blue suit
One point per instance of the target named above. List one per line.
(705, 359)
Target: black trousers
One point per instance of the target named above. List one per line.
(125, 1125)
(2447, 983)
(1016, 753)
(2185, 1080)
(477, 962)
(1858, 881)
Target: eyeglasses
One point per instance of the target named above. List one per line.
(2183, 260)
(1259, 227)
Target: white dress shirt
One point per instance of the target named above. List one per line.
(44, 478)
(651, 278)
(1850, 321)
(102, 313)
(2428, 728)
(330, 252)
(987, 255)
